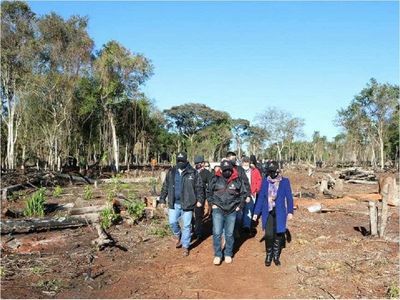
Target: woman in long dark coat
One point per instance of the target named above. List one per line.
(275, 204)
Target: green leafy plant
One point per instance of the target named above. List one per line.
(35, 204)
(108, 217)
(136, 209)
(114, 187)
(57, 191)
(393, 291)
(88, 192)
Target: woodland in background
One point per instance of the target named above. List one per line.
(61, 98)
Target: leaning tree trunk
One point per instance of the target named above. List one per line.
(114, 140)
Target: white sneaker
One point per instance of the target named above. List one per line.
(228, 259)
(217, 260)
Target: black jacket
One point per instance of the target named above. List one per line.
(243, 176)
(206, 178)
(227, 194)
(192, 188)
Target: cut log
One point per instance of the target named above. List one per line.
(44, 224)
(130, 180)
(360, 181)
(80, 178)
(323, 186)
(87, 210)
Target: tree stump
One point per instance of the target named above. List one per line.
(373, 217)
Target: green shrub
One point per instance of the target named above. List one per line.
(108, 217)
(53, 285)
(88, 192)
(35, 204)
(57, 191)
(136, 210)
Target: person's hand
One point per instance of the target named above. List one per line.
(162, 205)
(255, 218)
(214, 206)
(290, 216)
(237, 208)
(198, 204)
(248, 200)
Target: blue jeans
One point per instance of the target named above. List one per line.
(248, 213)
(226, 223)
(173, 216)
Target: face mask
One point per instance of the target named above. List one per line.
(227, 173)
(233, 161)
(273, 174)
(198, 166)
(181, 165)
(245, 168)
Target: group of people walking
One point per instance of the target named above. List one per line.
(236, 194)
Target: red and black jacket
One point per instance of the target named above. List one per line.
(227, 194)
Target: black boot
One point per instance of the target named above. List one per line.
(268, 249)
(268, 258)
(277, 250)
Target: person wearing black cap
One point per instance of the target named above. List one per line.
(275, 204)
(199, 210)
(226, 194)
(184, 189)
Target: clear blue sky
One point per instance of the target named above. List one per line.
(308, 58)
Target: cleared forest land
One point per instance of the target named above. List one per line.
(331, 254)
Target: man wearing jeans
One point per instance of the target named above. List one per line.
(227, 193)
(184, 188)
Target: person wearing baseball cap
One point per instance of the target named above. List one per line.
(183, 190)
(226, 194)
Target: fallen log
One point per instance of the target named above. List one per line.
(130, 180)
(44, 224)
(80, 178)
(361, 181)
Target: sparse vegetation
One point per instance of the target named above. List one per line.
(88, 193)
(35, 204)
(108, 217)
(57, 191)
(53, 285)
(136, 210)
(393, 291)
(160, 229)
(38, 270)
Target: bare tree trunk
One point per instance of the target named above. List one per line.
(381, 148)
(114, 140)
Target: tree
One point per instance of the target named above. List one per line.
(256, 138)
(17, 41)
(369, 114)
(240, 131)
(190, 119)
(281, 127)
(120, 73)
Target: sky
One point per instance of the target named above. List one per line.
(307, 58)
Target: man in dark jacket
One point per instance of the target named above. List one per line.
(231, 156)
(199, 211)
(226, 193)
(184, 189)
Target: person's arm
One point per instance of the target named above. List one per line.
(257, 180)
(164, 189)
(289, 199)
(260, 201)
(199, 189)
(210, 191)
(244, 192)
